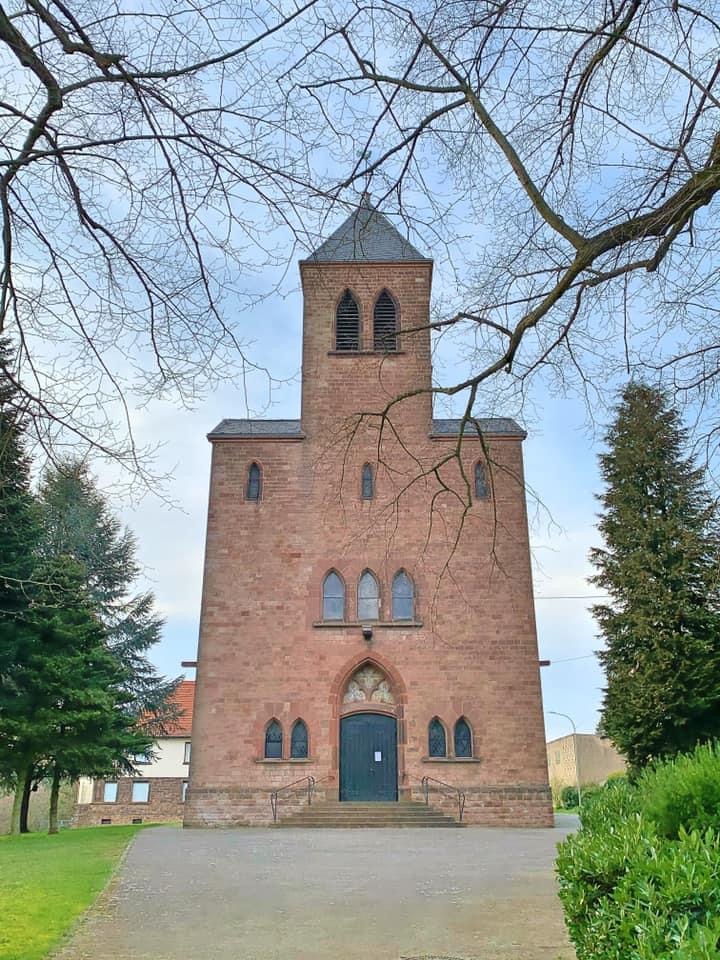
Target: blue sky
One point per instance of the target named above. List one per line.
(561, 469)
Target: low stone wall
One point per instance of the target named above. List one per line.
(164, 803)
(238, 807)
(526, 805)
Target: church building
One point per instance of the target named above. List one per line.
(367, 630)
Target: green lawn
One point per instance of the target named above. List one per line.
(47, 882)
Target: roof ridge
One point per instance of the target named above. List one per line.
(366, 235)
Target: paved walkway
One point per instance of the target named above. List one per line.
(473, 894)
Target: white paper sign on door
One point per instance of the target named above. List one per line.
(378, 756)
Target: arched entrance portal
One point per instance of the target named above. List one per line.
(368, 738)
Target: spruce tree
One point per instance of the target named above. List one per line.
(78, 523)
(660, 567)
(71, 715)
(18, 540)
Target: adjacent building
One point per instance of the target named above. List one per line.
(157, 791)
(583, 756)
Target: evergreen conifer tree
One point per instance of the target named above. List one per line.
(77, 523)
(660, 565)
(18, 541)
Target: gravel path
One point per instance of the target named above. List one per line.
(474, 894)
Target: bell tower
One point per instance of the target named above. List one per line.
(366, 336)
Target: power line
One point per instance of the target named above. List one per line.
(576, 596)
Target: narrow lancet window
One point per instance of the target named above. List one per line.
(482, 488)
(385, 323)
(347, 324)
(463, 738)
(299, 741)
(368, 482)
(254, 483)
(368, 599)
(437, 746)
(273, 741)
(333, 597)
(403, 597)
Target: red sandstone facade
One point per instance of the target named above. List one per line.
(470, 649)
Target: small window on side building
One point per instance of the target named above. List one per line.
(184, 790)
(188, 750)
(110, 791)
(140, 791)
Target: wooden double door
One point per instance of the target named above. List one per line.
(368, 757)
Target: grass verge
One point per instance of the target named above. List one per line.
(47, 882)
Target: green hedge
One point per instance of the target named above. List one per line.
(641, 878)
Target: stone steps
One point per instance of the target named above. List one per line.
(368, 815)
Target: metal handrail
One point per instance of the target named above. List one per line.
(274, 796)
(449, 786)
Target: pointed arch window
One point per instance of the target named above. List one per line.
(403, 597)
(437, 743)
(273, 741)
(299, 741)
(368, 482)
(368, 598)
(463, 738)
(254, 483)
(482, 487)
(385, 323)
(347, 324)
(333, 597)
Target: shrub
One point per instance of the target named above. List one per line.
(569, 797)
(684, 792)
(632, 890)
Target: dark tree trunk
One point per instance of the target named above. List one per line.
(54, 792)
(25, 803)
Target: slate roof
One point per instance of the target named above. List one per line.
(256, 428)
(366, 235)
(288, 429)
(496, 426)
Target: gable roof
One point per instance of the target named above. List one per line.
(257, 428)
(183, 698)
(366, 235)
(490, 426)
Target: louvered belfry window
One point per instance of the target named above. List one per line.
(385, 323)
(347, 324)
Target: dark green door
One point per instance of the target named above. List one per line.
(368, 757)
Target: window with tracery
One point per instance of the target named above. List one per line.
(437, 746)
(463, 738)
(299, 741)
(273, 741)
